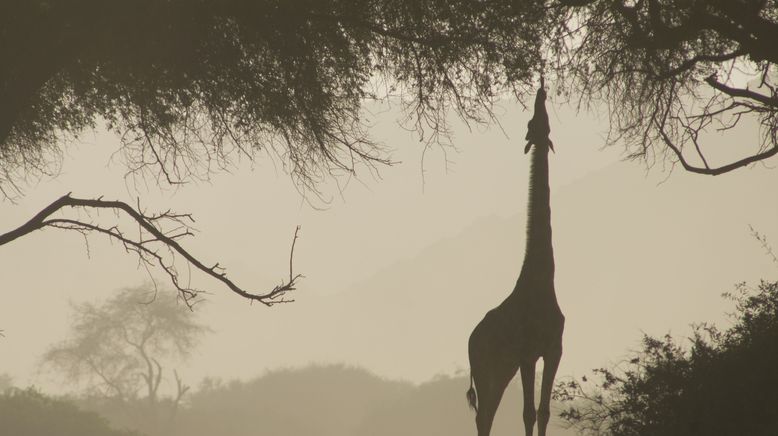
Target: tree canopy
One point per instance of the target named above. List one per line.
(188, 84)
(672, 70)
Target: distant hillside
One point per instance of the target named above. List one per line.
(632, 254)
(336, 400)
(315, 401)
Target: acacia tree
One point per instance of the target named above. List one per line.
(190, 86)
(118, 349)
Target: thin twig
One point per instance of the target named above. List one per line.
(763, 241)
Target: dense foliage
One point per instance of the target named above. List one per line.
(725, 383)
(30, 413)
(190, 83)
(335, 400)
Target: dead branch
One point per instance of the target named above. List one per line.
(147, 243)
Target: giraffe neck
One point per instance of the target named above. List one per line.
(539, 255)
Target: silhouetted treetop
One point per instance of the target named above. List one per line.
(29, 412)
(724, 382)
(189, 84)
(671, 69)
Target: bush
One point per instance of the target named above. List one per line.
(725, 383)
(30, 413)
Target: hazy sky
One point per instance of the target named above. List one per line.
(246, 219)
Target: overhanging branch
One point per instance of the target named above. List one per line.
(145, 249)
(742, 93)
(718, 170)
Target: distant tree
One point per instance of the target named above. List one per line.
(116, 349)
(670, 70)
(726, 383)
(6, 383)
(30, 413)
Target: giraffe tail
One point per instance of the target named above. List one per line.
(472, 397)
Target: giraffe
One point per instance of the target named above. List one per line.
(528, 324)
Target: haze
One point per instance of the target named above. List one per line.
(399, 268)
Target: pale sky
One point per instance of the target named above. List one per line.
(246, 220)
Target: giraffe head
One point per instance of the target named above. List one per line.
(538, 128)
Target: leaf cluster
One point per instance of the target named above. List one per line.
(191, 84)
(724, 383)
(30, 413)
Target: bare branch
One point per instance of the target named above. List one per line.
(719, 170)
(693, 61)
(144, 246)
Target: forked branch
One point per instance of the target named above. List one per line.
(147, 244)
(181, 390)
(772, 151)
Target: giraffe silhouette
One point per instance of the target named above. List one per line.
(528, 324)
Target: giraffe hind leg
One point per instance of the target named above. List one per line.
(485, 417)
(489, 389)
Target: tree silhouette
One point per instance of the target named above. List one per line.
(28, 412)
(117, 349)
(724, 384)
(188, 85)
(671, 70)
(191, 86)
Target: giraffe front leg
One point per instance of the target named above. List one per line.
(550, 365)
(528, 387)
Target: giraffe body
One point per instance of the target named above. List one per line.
(528, 324)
